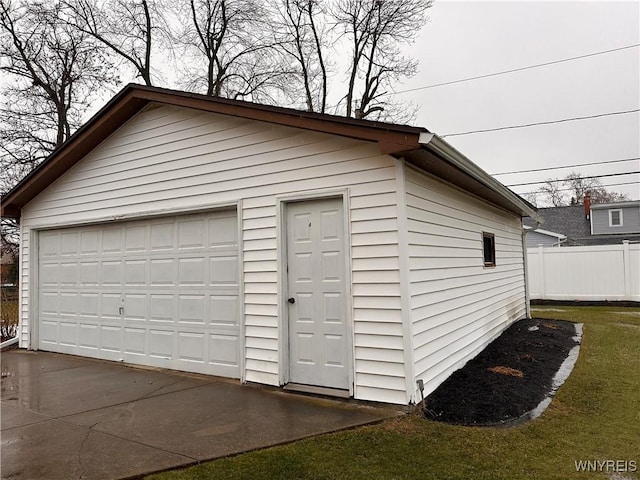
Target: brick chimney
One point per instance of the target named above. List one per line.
(587, 205)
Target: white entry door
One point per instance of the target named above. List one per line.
(318, 340)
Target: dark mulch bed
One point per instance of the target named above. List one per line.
(509, 378)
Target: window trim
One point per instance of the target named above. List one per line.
(611, 224)
(492, 238)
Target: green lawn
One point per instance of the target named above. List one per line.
(594, 416)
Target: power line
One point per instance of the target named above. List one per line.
(571, 189)
(516, 69)
(541, 123)
(568, 166)
(564, 180)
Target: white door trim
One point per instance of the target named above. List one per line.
(283, 287)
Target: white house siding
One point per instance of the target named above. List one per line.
(170, 158)
(457, 305)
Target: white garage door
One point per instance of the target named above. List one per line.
(160, 292)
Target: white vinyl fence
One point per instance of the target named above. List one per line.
(603, 272)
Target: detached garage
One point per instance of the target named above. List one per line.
(287, 248)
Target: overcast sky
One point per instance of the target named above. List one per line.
(466, 39)
(472, 38)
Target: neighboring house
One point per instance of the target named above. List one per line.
(621, 219)
(603, 224)
(266, 244)
(538, 236)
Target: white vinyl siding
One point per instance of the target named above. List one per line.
(167, 159)
(457, 305)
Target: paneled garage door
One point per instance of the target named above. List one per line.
(160, 292)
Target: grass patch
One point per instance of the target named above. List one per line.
(594, 416)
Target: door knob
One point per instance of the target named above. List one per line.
(291, 300)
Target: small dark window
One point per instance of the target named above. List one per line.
(489, 249)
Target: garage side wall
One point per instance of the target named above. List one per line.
(176, 159)
(457, 304)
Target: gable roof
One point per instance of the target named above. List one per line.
(570, 221)
(417, 145)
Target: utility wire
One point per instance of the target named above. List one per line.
(540, 123)
(516, 69)
(571, 189)
(564, 180)
(568, 166)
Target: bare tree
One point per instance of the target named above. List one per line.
(375, 29)
(53, 73)
(531, 197)
(225, 42)
(300, 33)
(579, 186)
(551, 192)
(574, 186)
(126, 27)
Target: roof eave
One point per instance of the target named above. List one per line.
(397, 140)
(391, 138)
(510, 200)
(625, 204)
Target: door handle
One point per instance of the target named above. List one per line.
(121, 310)
(291, 300)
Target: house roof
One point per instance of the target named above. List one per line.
(602, 206)
(417, 145)
(572, 222)
(559, 236)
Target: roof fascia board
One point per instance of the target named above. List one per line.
(393, 139)
(439, 146)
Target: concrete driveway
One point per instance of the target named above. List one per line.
(67, 417)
